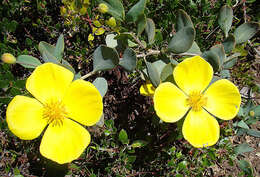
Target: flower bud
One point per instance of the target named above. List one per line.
(8, 58)
(102, 8)
(111, 22)
(63, 10)
(252, 113)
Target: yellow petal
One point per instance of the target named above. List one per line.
(223, 99)
(200, 129)
(24, 117)
(193, 74)
(147, 89)
(49, 81)
(64, 143)
(169, 102)
(84, 102)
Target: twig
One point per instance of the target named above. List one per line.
(88, 75)
(138, 41)
(212, 32)
(150, 52)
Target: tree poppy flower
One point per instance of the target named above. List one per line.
(147, 89)
(197, 100)
(60, 104)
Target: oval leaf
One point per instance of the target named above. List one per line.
(153, 74)
(105, 58)
(137, 10)
(28, 61)
(139, 144)
(245, 31)
(229, 44)
(220, 52)
(123, 137)
(183, 20)
(213, 59)
(166, 74)
(47, 57)
(101, 84)
(194, 49)
(150, 30)
(59, 48)
(129, 60)
(44, 46)
(115, 8)
(225, 19)
(141, 24)
(182, 40)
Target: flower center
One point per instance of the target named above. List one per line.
(54, 112)
(196, 100)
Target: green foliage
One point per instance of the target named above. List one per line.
(151, 148)
(105, 58)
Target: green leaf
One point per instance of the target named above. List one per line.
(44, 46)
(129, 60)
(254, 133)
(182, 40)
(225, 19)
(47, 57)
(213, 59)
(183, 20)
(123, 137)
(229, 43)
(242, 124)
(159, 65)
(220, 52)
(59, 48)
(230, 63)
(101, 121)
(28, 61)
(153, 74)
(256, 111)
(194, 49)
(141, 24)
(167, 73)
(246, 31)
(139, 143)
(101, 84)
(245, 166)
(150, 30)
(136, 11)
(67, 65)
(225, 74)
(115, 8)
(110, 41)
(105, 58)
(243, 148)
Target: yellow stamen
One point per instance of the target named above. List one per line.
(54, 112)
(196, 101)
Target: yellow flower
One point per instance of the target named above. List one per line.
(8, 58)
(102, 8)
(60, 104)
(147, 89)
(194, 98)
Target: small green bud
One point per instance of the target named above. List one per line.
(111, 22)
(102, 8)
(83, 11)
(252, 113)
(8, 58)
(63, 10)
